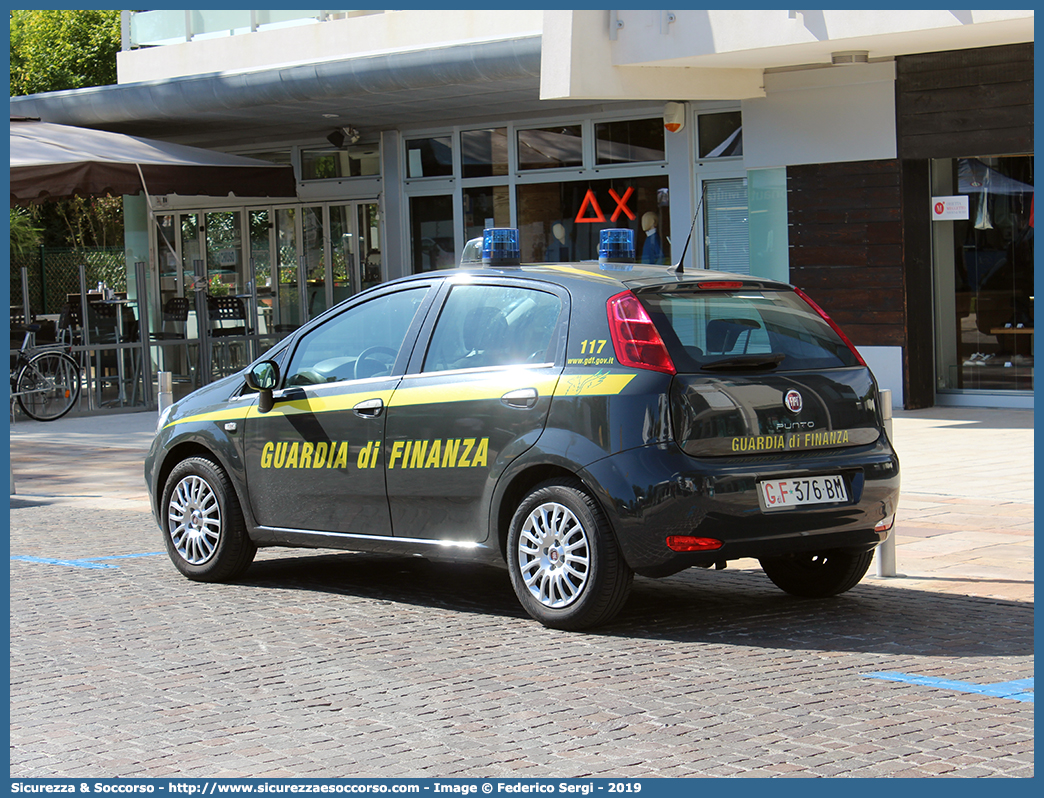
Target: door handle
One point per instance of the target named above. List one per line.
(523, 398)
(371, 408)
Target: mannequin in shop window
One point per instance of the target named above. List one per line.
(558, 248)
(652, 249)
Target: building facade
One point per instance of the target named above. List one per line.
(808, 146)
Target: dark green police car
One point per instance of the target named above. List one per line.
(579, 422)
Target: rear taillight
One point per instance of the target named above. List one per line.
(832, 323)
(637, 341)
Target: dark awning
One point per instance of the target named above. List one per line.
(51, 161)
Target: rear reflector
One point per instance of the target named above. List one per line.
(832, 323)
(637, 341)
(885, 524)
(689, 543)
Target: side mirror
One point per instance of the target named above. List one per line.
(263, 378)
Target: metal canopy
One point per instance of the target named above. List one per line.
(50, 161)
(301, 102)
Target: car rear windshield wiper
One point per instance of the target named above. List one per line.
(740, 362)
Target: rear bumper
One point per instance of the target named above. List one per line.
(657, 491)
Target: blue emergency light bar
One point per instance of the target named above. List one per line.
(616, 246)
(500, 246)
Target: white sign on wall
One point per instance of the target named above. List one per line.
(950, 209)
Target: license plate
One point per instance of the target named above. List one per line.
(783, 494)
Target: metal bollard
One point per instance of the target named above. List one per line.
(886, 551)
(166, 390)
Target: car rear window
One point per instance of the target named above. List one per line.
(708, 329)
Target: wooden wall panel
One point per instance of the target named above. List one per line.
(965, 102)
(846, 249)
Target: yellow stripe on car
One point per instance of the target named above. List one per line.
(586, 384)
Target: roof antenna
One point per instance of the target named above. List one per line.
(679, 269)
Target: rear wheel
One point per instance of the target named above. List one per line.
(203, 529)
(817, 575)
(48, 386)
(565, 566)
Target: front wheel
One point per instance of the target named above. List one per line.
(817, 575)
(203, 529)
(565, 565)
(48, 386)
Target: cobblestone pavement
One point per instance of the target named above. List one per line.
(325, 664)
(322, 664)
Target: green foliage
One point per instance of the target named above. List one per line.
(56, 50)
(53, 51)
(25, 237)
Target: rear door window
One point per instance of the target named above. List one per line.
(705, 329)
(484, 326)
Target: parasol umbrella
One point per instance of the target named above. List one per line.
(50, 162)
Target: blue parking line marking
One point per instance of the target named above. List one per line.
(86, 562)
(1017, 690)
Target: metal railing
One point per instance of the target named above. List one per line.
(158, 28)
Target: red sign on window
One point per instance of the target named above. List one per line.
(591, 202)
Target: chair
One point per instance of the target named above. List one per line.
(70, 324)
(175, 314)
(174, 327)
(102, 323)
(110, 324)
(223, 309)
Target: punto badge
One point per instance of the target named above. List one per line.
(793, 401)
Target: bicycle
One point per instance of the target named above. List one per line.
(45, 380)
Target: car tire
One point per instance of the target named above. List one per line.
(817, 575)
(203, 528)
(565, 565)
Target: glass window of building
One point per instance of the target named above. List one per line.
(487, 206)
(561, 222)
(551, 147)
(484, 153)
(720, 135)
(431, 231)
(725, 225)
(357, 160)
(984, 275)
(629, 141)
(431, 157)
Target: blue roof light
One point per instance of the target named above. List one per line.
(616, 245)
(500, 246)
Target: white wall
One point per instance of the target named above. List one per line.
(886, 362)
(823, 115)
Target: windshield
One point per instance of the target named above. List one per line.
(744, 328)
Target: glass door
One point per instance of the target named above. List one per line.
(229, 294)
(983, 262)
(287, 315)
(315, 260)
(369, 244)
(261, 232)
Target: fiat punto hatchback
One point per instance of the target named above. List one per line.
(580, 423)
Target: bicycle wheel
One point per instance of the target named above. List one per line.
(48, 386)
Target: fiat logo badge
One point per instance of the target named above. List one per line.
(793, 401)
